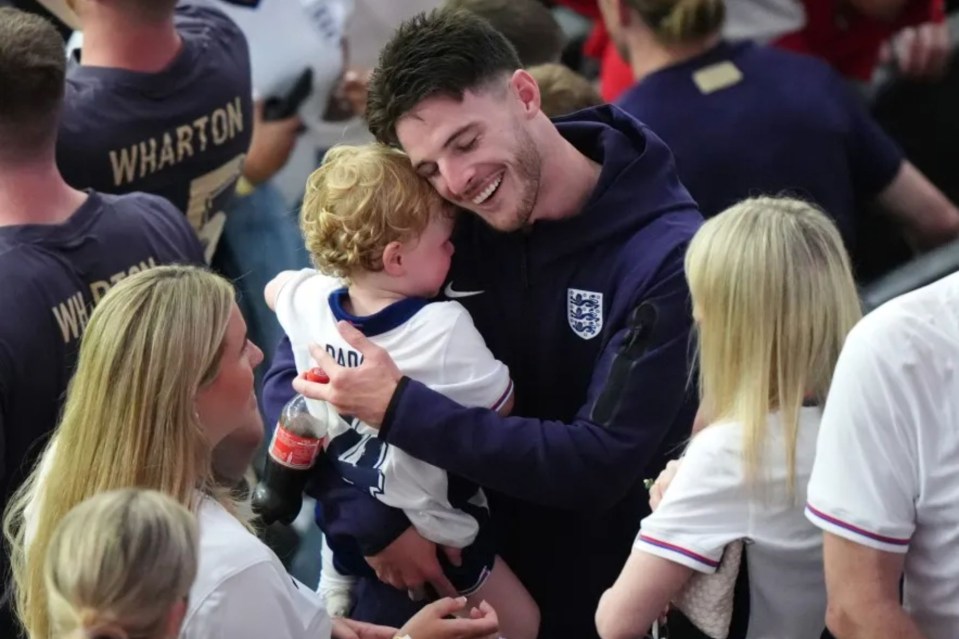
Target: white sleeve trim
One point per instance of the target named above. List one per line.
(504, 398)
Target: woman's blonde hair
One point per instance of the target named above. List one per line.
(359, 200)
(681, 21)
(129, 419)
(774, 298)
(117, 564)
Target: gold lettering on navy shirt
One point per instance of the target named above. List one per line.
(155, 154)
(73, 313)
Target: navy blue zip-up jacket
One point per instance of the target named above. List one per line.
(591, 314)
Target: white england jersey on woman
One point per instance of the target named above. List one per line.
(434, 343)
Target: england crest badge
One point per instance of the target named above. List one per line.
(584, 311)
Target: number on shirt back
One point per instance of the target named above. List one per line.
(203, 192)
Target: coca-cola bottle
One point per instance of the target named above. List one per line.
(297, 440)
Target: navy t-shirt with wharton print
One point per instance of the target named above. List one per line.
(181, 133)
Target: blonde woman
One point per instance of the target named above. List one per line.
(164, 374)
(773, 299)
(121, 565)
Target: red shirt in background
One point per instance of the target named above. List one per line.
(847, 40)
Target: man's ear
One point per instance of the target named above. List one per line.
(624, 13)
(527, 90)
(393, 259)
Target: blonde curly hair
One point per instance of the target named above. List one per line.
(358, 201)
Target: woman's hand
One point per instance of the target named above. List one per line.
(348, 629)
(430, 622)
(662, 482)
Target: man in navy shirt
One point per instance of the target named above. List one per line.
(160, 102)
(60, 249)
(571, 265)
(745, 120)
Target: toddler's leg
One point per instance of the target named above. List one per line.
(336, 589)
(518, 613)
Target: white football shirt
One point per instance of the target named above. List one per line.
(709, 505)
(242, 590)
(887, 471)
(433, 343)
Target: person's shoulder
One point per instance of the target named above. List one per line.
(442, 313)
(140, 204)
(723, 439)
(32, 279)
(202, 16)
(227, 548)
(657, 251)
(150, 214)
(445, 324)
(786, 83)
(309, 285)
(88, 100)
(781, 61)
(919, 323)
(27, 270)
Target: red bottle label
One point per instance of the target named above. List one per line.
(294, 451)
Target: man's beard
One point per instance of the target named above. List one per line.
(529, 167)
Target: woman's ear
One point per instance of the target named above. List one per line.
(175, 618)
(393, 259)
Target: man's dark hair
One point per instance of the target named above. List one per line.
(32, 70)
(443, 52)
(527, 24)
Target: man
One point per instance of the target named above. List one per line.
(743, 119)
(160, 102)
(60, 249)
(571, 266)
(528, 25)
(883, 487)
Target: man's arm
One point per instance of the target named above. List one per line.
(928, 217)
(638, 391)
(863, 588)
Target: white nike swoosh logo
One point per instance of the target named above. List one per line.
(452, 294)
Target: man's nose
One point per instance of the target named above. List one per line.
(459, 179)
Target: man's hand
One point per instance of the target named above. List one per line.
(365, 391)
(270, 147)
(355, 87)
(430, 622)
(921, 52)
(410, 561)
(662, 482)
(348, 629)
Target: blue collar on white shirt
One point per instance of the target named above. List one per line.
(396, 314)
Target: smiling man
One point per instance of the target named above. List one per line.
(571, 265)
